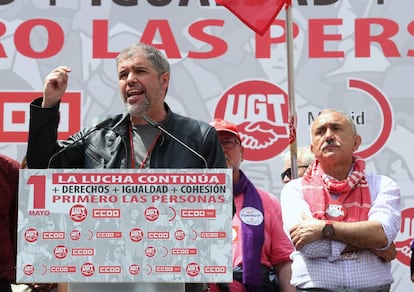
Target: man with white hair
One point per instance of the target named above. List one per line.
(304, 159)
(342, 220)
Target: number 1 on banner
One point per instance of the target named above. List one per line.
(39, 188)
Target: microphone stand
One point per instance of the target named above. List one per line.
(97, 127)
(159, 127)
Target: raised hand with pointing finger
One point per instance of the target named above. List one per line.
(55, 86)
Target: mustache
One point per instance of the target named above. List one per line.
(330, 143)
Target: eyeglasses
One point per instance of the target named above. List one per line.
(229, 143)
(288, 172)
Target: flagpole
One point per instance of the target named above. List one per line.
(291, 90)
(259, 15)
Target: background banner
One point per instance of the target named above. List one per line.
(349, 54)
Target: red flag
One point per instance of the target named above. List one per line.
(256, 14)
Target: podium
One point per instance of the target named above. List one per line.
(124, 230)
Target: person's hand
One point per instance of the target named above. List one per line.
(55, 86)
(308, 231)
(386, 255)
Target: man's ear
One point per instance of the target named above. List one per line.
(165, 80)
(357, 142)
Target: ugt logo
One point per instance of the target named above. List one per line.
(260, 111)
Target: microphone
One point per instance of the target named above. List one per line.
(97, 127)
(159, 127)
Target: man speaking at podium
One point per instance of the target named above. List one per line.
(125, 140)
(148, 135)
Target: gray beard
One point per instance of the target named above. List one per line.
(138, 110)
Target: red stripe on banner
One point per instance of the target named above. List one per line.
(14, 115)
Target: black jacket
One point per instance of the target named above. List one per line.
(109, 147)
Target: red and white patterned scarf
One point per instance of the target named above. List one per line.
(348, 200)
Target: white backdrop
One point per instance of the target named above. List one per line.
(349, 54)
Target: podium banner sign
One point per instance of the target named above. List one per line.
(112, 225)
